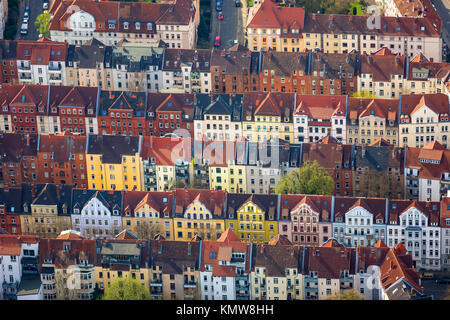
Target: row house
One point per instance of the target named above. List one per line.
(166, 163)
(113, 162)
(275, 274)
(267, 116)
(8, 58)
(218, 117)
(122, 113)
(169, 113)
(62, 159)
(13, 201)
(317, 117)
(277, 28)
(305, 220)
(148, 214)
(49, 212)
(225, 268)
(18, 259)
(124, 256)
(199, 213)
(344, 33)
(66, 267)
(137, 67)
(371, 119)
(186, 71)
(444, 223)
(378, 170)
(382, 74)
(19, 159)
(110, 22)
(427, 173)
(270, 26)
(96, 213)
(336, 159)
(425, 76)
(412, 8)
(235, 70)
(415, 224)
(90, 65)
(41, 62)
(424, 119)
(174, 273)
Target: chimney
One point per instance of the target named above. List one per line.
(189, 248)
(28, 139)
(33, 190)
(313, 16)
(6, 188)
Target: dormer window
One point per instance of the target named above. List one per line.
(138, 25)
(125, 25)
(149, 26)
(115, 212)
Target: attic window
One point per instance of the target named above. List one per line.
(212, 255)
(138, 25)
(149, 26)
(125, 25)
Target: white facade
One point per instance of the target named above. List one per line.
(96, 219)
(48, 124)
(305, 131)
(52, 74)
(217, 288)
(358, 225)
(217, 127)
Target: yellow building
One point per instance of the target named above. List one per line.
(280, 282)
(49, 214)
(199, 212)
(268, 116)
(252, 217)
(147, 214)
(122, 257)
(113, 162)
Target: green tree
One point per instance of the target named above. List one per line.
(42, 24)
(126, 289)
(347, 295)
(311, 178)
(363, 94)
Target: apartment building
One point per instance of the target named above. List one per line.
(41, 62)
(427, 174)
(425, 76)
(424, 119)
(89, 65)
(316, 117)
(444, 223)
(175, 270)
(382, 74)
(109, 22)
(96, 213)
(225, 268)
(8, 57)
(278, 279)
(61, 159)
(66, 267)
(235, 70)
(13, 201)
(371, 119)
(148, 215)
(18, 257)
(186, 71)
(113, 162)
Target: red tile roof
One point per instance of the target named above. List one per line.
(271, 15)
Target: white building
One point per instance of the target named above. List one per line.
(97, 213)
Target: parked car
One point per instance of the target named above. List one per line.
(237, 3)
(25, 19)
(27, 9)
(217, 42)
(45, 5)
(443, 281)
(24, 28)
(218, 7)
(220, 15)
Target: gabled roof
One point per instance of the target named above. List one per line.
(126, 235)
(228, 236)
(380, 142)
(271, 15)
(279, 240)
(70, 235)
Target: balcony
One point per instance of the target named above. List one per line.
(7, 285)
(156, 283)
(25, 77)
(24, 68)
(242, 296)
(190, 285)
(53, 68)
(55, 79)
(237, 259)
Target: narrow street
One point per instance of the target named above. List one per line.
(230, 28)
(35, 10)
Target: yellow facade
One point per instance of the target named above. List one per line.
(44, 221)
(114, 176)
(219, 178)
(197, 219)
(289, 287)
(147, 222)
(165, 177)
(104, 276)
(252, 225)
(266, 128)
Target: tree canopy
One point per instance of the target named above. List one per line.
(126, 289)
(43, 24)
(311, 178)
(347, 295)
(363, 94)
